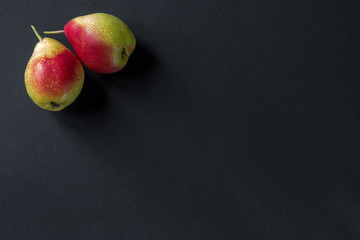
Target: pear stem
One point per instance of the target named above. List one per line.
(36, 33)
(54, 32)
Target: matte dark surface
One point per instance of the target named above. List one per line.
(234, 119)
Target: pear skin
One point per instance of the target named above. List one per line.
(102, 41)
(54, 76)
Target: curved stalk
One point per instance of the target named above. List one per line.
(36, 33)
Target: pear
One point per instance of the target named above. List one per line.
(54, 76)
(102, 41)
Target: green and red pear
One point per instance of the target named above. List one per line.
(102, 41)
(54, 76)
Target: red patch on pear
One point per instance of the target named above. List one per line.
(55, 75)
(92, 51)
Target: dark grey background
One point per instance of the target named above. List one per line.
(234, 119)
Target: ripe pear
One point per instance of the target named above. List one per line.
(102, 41)
(54, 76)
